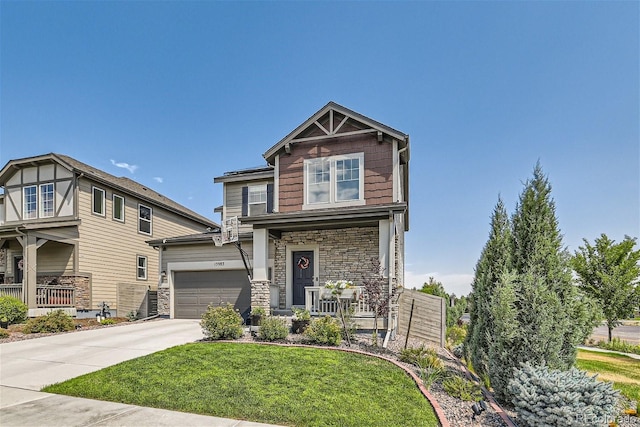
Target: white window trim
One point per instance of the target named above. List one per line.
(333, 182)
(40, 202)
(256, 188)
(113, 207)
(145, 268)
(93, 201)
(150, 220)
(24, 202)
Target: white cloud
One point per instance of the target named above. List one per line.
(158, 179)
(456, 283)
(127, 166)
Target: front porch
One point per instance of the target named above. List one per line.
(319, 301)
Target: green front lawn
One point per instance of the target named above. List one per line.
(623, 371)
(271, 384)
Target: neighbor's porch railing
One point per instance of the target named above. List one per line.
(46, 296)
(320, 302)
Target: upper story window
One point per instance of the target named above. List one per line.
(30, 202)
(38, 205)
(337, 180)
(118, 208)
(46, 200)
(257, 199)
(144, 219)
(98, 201)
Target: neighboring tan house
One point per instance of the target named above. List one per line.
(333, 196)
(73, 236)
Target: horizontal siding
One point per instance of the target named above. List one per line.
(109, 248)
(233, 200)
(55, 258)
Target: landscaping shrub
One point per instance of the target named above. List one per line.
(546, 397)
(55, 321)
(461, 388)
(431, 375)
(4, 333)
(108, 321)
(456, 335)
(617, 344)
(272, 329)
(219, 323)
(13, 309)
(422, 357)
(325, 330)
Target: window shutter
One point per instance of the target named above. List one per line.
(245, 201)
(269, 198)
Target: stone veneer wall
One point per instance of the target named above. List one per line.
(260, 294)
(164, 308)
(344, 254)
(81, 283)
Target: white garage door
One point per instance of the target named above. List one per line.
(195, 290)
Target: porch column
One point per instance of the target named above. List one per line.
(260, 295)
(29, 274)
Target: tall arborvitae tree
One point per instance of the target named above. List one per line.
(494, 261)
(547, 317)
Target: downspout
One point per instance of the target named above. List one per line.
(392, 272)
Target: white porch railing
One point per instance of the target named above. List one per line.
(45, 296)
(12, 291)
(320, 302)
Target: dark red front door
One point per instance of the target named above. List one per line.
(302, 274)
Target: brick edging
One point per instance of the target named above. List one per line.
(442, 419)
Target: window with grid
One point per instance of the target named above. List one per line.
(334, 181)
(46, 200)
(30, 202)
(257, 199)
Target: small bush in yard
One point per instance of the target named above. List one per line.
(461, 388)
(13, 309)
(55, 321)
(324, 330)
(546, 397)
(220, 323)
(456, 335)
(422, 357)
(108, 321)
(4, 333)
(272, 329)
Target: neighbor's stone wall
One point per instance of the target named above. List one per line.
(164, 308)
(81, 283)
(344, 254)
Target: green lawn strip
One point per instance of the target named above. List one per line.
(623, 370)
(272, 384)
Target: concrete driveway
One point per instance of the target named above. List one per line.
(27, 366)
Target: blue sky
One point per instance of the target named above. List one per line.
(172, 94)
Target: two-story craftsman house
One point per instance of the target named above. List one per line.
(73, 236)
(333, 196)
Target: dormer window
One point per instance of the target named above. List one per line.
(336, 180)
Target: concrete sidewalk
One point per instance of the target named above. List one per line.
(27, 366)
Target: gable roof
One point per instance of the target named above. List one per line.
(123, 184)
(331, 121)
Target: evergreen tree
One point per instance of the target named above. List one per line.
(494, 261)
(535, 313)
